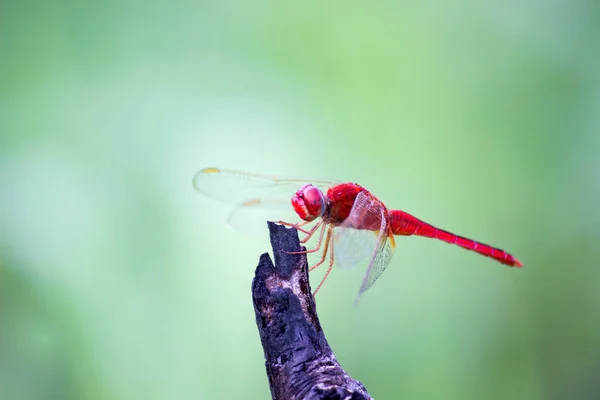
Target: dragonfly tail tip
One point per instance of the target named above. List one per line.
(518, 264)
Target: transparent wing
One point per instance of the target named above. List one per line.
(353, 246)
(238, 186)
(250, 217)
(365, 235)
(258, 198)
(380, 260)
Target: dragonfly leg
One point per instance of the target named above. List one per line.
(319, 241)
(327, 239)
(295, 225)
(328, 269)
(311, 232)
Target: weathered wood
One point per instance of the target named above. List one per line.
(299, 361)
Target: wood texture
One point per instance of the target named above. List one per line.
(299, 362)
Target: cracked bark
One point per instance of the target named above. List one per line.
(299, 362)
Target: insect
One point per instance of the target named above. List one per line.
(343, 216)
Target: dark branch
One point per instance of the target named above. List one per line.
(299, 361)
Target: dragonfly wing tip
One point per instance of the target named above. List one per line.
(209, 170)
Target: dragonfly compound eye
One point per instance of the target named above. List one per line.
(309, 202)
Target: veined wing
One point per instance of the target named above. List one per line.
(379, 261)
(250, 216)
(258, 198)
(353, 246)
(237, 186)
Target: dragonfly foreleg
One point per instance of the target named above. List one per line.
(319, 241)
(297, 226)
(312, 231)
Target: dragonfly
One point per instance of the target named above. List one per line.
(341, 215)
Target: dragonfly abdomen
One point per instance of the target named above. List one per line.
(405, 224)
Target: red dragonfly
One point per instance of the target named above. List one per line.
(346, 216)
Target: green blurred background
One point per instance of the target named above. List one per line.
(119, 281)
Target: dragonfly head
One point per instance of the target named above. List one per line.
(309, 202)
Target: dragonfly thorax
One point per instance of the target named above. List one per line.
(309, 202)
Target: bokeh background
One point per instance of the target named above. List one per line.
(119, 281)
